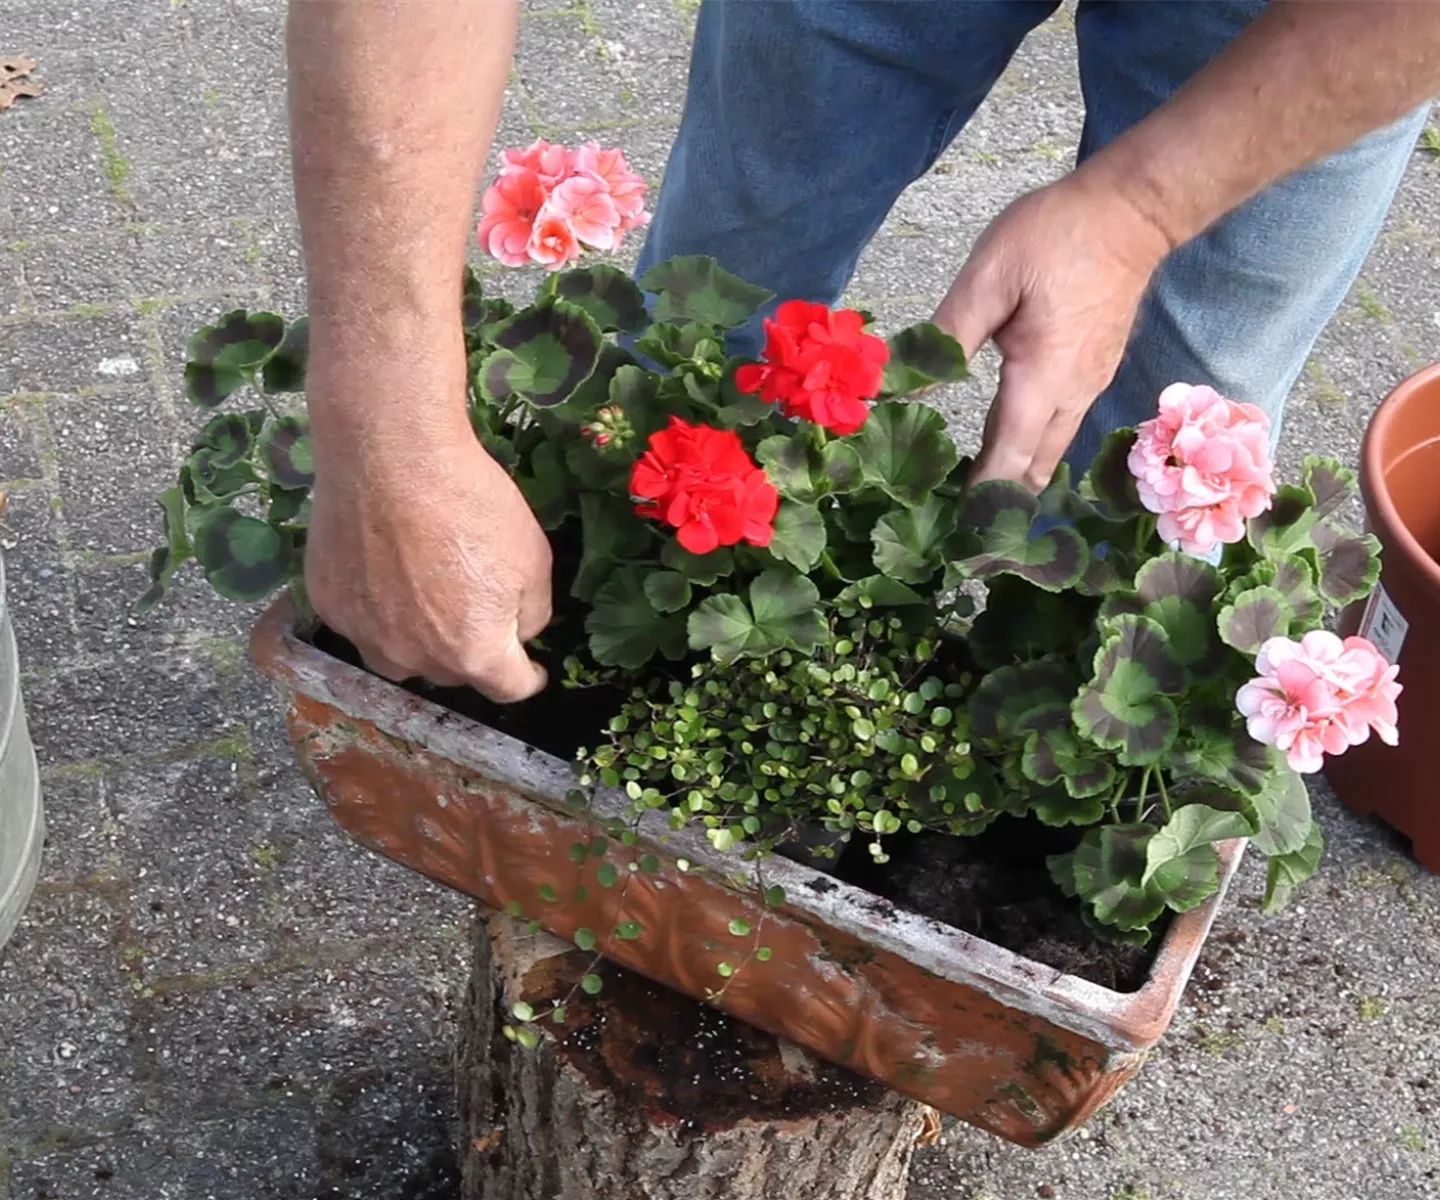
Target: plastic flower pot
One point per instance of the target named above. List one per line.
(972, 1029)
(1400, 482)
(22, 823)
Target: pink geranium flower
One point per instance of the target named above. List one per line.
(509, 210)
(551, 163)
(587, 206)
(1203, 466)
(553, 242)
(626, 188)
(1319, 696)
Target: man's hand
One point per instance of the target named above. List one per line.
(421, 549)
(1055, 282)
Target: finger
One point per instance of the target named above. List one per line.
(1019, 417)
(379, 664)
(1053, 444)
(511, 676)
(975, 308)
(534, 611)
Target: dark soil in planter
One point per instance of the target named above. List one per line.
(995, 885)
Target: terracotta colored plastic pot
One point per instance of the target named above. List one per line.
(966, 1026)
(22, 821)
(1400, 481)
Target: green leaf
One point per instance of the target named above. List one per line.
(635, 391)
(1218, 748)
(1186, 881)
(1285, 819)
(695, 288)
(168, 558)
(287, 505)
(792, 462)
(1330, 483)
(1013, 701)
(1253, 619)
(624, 628)
(783, 611)
(676, 345)
(700, 569)
(591, 985)
(1192, 826)
(880, 591)
(799, 535)
(1057, 806)
(207, 482)
(904, 450)
(1057, 756)
(667, 591)
(920, 357)
(610, 533)
(1109, 479)
(284, 371)
(1126, 706)
(1349, 562)
(1285, 527)
(910, 542)
(244, 559)
(287, 453)
(223, 357)
(995, 539)
(1022, 621)
(545, 352)
(545, 484)
(1178, 593)
(228, 436)
(585, 939)
(1108, 865)
(1292, 577)
(607, 293)
(1286, 872)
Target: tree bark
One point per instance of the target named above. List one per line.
(643, 1094)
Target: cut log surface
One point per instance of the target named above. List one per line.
(643, 1094)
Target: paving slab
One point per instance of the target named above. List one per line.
(215, 993)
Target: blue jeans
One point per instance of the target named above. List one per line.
(806, 119)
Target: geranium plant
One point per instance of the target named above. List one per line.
(776, 566)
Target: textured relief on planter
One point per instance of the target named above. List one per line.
(1006, 1043)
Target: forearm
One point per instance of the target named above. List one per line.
(1306, 79)
(392, 107)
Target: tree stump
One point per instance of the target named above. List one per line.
(643, 1094)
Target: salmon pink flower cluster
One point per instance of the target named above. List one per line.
(702, 481)
(549, 203)
(1203, 466)
(819, 365)
(1320, 695)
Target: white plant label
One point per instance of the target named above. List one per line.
(1384, 624)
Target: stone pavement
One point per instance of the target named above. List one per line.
(214, 994)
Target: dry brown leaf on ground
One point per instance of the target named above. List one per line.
(15, 81)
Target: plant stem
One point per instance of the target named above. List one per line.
(1144, 793)
(1164, 795)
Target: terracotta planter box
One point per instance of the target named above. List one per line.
(1008, 1044)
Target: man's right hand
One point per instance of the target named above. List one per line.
(423, 553)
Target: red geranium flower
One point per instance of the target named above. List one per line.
(819, 365)
(701, 480)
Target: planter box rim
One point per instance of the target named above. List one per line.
(1126, 1022)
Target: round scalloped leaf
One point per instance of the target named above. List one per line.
(284, 371)
(1286, 872)
(624, 628)
(544, 353)
(904, 450)
(880, 591)
(207, 481)
(1192, 826)
(228, 436)
(1285, 817)
(783, 611)
(1005, 697)
(1330, 483)
(1057, 756)
(1108, 865)
(221, 357)
(1253, 618)
(995, 538)
(287, 453)
(1217, 747)
(1284, 528)
(1291, 576)
(1187, 881)
(1349, 562)
(910, 542)
(607, 293)
(667, 591)
(244, 559)
(1109, 479)
(695, 287)
(700, 569)
(1178, 593)
(799, 535)
(791, 462)
(920, 357)
(610, 534)
(1125, 707)
(1022, 621)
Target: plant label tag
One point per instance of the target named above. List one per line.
(1384, 624)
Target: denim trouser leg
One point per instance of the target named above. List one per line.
(1240, 306)
(805, 120)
